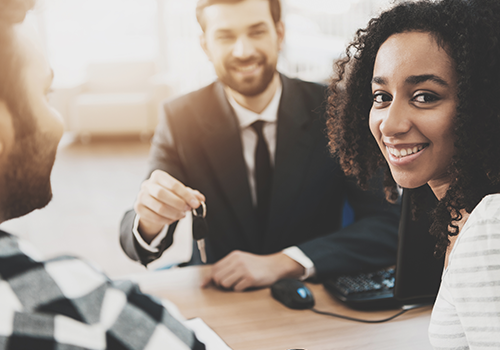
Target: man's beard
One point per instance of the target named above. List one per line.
(251, 86)
(25, 179)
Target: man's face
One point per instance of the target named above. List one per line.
(243, 43)
(26, 161)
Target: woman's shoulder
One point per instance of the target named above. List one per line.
(483, 225)
(477, 245)
(490, 202)
(488, 210)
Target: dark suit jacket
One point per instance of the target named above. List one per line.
(198, 142)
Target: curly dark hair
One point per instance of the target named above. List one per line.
(469, 31)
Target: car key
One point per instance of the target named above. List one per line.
(200, 230)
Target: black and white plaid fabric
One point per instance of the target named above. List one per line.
(67, 304)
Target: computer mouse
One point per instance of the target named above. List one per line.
(292, 293)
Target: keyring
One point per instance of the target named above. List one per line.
(195, 212)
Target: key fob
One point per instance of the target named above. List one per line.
(200, 228)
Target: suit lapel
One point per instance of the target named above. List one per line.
(222, 142)
(294, 144)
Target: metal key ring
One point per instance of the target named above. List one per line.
(195, 213)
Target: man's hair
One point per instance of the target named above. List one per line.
(12, 90)
(469, 31)
(274, 7)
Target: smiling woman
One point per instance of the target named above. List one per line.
(417, 95)
(414, 104)
(422, 67)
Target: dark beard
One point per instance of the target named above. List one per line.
(25, 182)
(250, 86)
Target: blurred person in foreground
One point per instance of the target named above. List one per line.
(269, 219)
(62, 303)
(418, 95)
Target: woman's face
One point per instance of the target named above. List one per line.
(414, 104)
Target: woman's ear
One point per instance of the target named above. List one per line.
(6, 130)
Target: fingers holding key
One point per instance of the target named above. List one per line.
(163, 200)
(166, 211)
(171, 185)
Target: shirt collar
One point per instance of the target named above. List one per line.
(246, 117)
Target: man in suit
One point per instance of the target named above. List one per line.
(274, 211)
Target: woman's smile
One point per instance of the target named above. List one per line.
(404, 154)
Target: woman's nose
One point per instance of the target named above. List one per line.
(396, 120)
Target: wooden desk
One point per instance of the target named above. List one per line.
(254, 320)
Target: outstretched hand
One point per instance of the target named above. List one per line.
(163, 200)
(239, 270)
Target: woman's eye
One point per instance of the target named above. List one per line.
(381, 98)
(425, 98)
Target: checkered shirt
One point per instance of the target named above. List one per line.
(67, 304)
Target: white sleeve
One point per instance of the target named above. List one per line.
(298, 255)
(153, 246)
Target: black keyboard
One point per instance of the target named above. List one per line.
(365, 291)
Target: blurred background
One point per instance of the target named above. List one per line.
(114, 62)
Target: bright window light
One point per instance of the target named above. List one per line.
(79, 32)
(333, 7)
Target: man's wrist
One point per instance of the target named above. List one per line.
(287, 267)
(151, 246)
(147, 232)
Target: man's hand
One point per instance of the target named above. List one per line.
(162, 201)
(240, 270)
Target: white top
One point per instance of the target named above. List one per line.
(249, 143)
(466, 314)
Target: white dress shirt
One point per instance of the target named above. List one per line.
(249, 143)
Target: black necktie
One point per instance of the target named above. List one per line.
(263, 176)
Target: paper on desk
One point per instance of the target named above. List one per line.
(206, 334)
